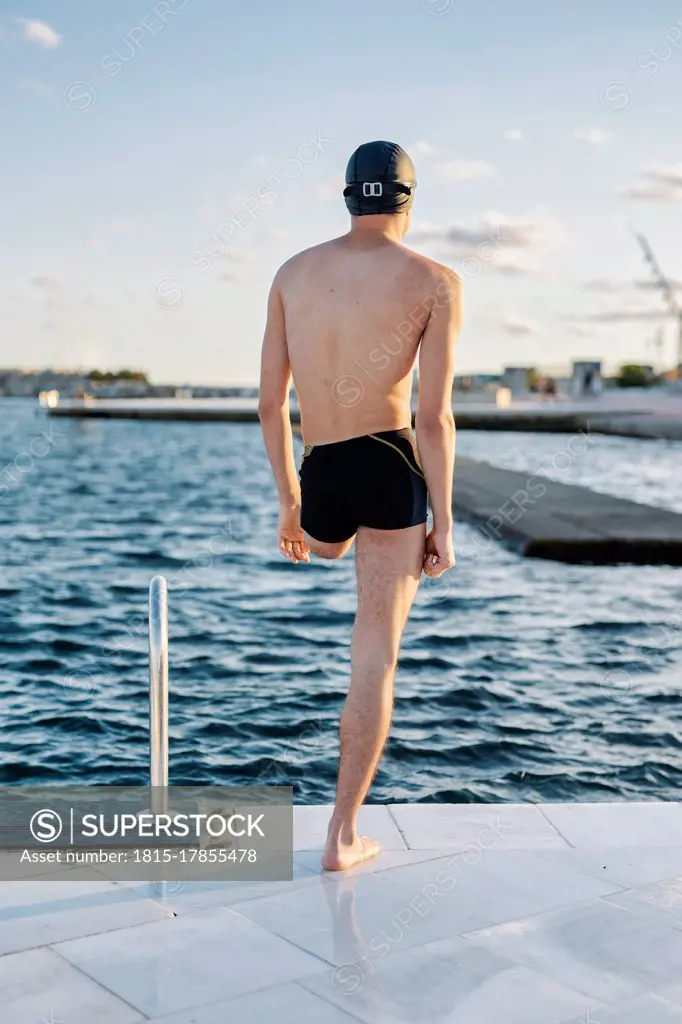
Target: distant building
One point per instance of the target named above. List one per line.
(518, 379)
(586, 378)
(19, 383)
(29, 383)
(476, 381)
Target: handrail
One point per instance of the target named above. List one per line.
(158, 682)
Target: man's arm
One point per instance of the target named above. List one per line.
(273, 412)
(435, 424)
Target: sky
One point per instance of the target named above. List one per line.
(161, 159)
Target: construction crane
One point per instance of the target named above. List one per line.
(656, 343)
(667, 290)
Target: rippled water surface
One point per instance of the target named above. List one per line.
(519, 679)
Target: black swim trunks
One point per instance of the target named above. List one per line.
(373, 481)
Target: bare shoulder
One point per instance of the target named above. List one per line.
(436, 280)
(303, 260)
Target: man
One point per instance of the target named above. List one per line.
(347, 319)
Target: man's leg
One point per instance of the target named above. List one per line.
(388, 565)
(326, 549)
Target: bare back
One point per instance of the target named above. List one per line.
(354, 312)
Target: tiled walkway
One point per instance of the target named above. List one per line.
(474, 914)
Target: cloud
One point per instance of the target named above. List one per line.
(591, 135)
(271, 235)
(671, 175)
(518, 326)
(651, 285)
(662, 184)
(611, 286)
(513, 134)
(604, 285)
(513, 265)
(45, 282)
(538, 230)
(649, 193)
(422, 148)
(506, 264)
(234, 275)
(622, 314)
(240, 256)
(40, 32)
(496, 243)
(463, 170)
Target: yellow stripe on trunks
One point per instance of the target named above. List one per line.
(402, 455)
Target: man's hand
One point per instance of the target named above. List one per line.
(291, 539)
(439, 555)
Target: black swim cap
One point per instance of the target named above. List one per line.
(380, 178)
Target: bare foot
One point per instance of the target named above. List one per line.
(339, 856)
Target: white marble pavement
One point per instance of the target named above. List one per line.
(474, 914)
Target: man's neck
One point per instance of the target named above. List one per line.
(377, 227)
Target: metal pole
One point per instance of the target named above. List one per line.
(158, 682)
(158, 703)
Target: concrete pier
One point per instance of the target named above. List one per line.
(540, 518)
(608, 415)
(240, 410)
(475, 913)
(531, 514)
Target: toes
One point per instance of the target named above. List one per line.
(370, 846)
